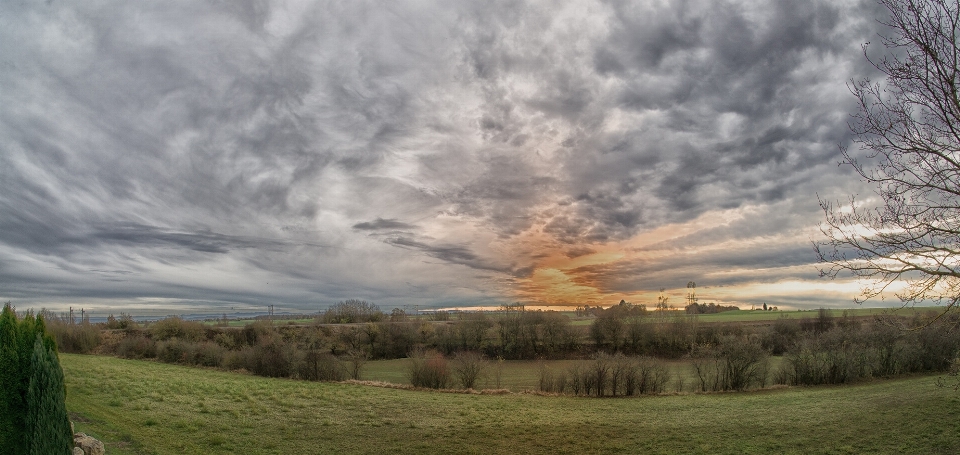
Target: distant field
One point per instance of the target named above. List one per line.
(760, 315)
(141, 407)
(524, 375)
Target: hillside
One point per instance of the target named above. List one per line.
(140, 407)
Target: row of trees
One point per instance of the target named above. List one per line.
(33, 415)
(824, 349)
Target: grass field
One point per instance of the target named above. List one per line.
(139, 407)
(524, 375)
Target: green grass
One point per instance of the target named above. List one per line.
(515, 375)
(760, 315)
(524, 375)
(168, 409)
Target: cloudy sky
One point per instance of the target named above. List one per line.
(161, 156)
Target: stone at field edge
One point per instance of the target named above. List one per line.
(87, 444)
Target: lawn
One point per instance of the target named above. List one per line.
(140, 407)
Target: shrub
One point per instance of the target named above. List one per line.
(781, 336)
(551, 382)
(429, 370)
(237, 360)
(352, 311)
(136, 346)
(829, 358)
(321, 366)
(645, 375)
(736, 363)
(174, 327)
(273, 358)
(206, 353)
(355, 361)
(76, 338)
(172, 351)
(468, 367)
(125, 322)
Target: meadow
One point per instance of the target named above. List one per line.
(145, 407)
(524, 375)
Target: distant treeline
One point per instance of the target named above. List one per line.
(726, 356)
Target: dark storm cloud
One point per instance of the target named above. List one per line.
(454, 254)
(692, 64)
(149, 236)
(381, 223)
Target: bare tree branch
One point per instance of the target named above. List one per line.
(907, 144)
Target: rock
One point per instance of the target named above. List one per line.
(88, 444)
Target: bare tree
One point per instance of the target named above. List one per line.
(468, 367)
(907, 145)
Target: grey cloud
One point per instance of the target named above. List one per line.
(454, 254)
(760, 264)
(579, 251)
(381, 223)
(150, 236)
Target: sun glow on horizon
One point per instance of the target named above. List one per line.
(597, 275)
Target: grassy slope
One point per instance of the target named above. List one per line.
(145, 407)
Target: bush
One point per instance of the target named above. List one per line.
(781, 337)
(468, 368)
(206, 353)
(551, 382)
(125, 322)
(352, 311)
(608, 375)
(642, 375)
(136, 346)
(829, 358)
(75, 338)
(174, 327)
(429, 370)
(272, 358)
(737, 363)
(321, 366)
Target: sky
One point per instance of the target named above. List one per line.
(225, 155)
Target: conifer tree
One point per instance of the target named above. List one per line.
(9, 379)
(47, 424)
(33, 415)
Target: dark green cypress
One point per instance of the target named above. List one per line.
(33, 413)
(10, 374)
(47, 424)
(26, 336)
